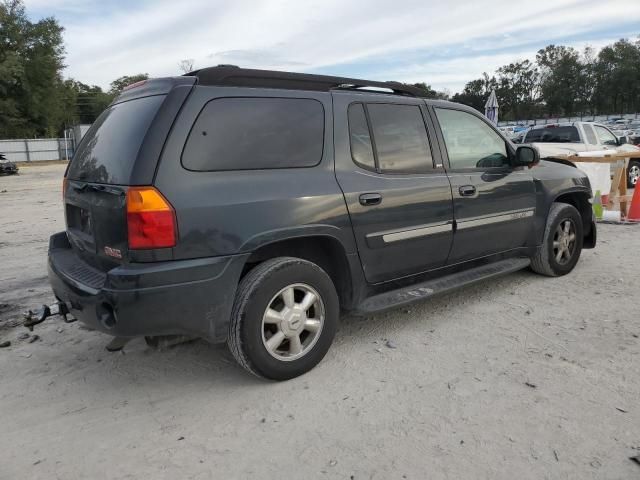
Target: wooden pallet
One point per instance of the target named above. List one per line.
(618, 194)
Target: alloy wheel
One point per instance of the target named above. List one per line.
(634, 174)
(292, 322)
(564, 241)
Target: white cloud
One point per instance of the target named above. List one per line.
(306, 35)
(59, 6)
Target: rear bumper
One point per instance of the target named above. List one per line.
(187, 297)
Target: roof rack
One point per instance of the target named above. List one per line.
(231, 75)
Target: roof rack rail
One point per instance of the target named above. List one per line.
(231, 75)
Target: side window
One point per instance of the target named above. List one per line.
(591, 136)
(361, 146)
(256, 133)
(605, 136)
(400, 138)
(470, 142)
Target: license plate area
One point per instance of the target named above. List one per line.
(79, 219)
(80, 228)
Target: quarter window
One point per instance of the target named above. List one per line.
(470, 142)
(361, 146)
(256, 133)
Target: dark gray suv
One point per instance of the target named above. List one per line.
(253, 207)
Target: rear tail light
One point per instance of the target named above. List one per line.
(151, 220)
(65, 182)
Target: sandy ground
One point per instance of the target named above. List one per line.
(521, 377)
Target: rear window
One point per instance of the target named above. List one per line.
(553, 135)
(400, 137)
(109, 149)
(256, 133)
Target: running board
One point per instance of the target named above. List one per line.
(421, 291)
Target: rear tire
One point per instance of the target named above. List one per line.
(284, 318)
(562, 242)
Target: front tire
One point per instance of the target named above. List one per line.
(633, 173)
(284, 318)
(562, 242)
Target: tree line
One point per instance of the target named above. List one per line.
(36, 101)
(561, 82)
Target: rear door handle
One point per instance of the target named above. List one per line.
(467, 190)
(369, 199)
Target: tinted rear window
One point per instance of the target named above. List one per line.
(361, 146)
(400, 137)
(553, 135)
(256, 133)
(109, 149)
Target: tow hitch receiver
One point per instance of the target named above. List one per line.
(31, 318)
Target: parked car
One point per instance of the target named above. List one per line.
(568, 138)
(622, 135)
(7, 167)
(518, 138)
(507, 131)
(633, 133)
(253, 207)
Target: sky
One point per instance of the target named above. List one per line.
(442, 43)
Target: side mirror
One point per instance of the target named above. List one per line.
(622, 140)
(526, 156)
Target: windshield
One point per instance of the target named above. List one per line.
(109, 149)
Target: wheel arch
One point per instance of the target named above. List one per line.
(325, 251)
(580, 199)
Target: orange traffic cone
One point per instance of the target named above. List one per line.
(634, 210)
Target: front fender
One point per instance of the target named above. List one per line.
(554, 181)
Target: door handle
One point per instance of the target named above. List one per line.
(369, 199)
(467, 190)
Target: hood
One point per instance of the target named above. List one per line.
(561, 172)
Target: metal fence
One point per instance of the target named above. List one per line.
(37, 150)
(581, 118)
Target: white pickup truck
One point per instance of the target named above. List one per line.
(568, 138)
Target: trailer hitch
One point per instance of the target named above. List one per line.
(31, 318)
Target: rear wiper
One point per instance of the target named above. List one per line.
(98, 188)
(81, 188)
